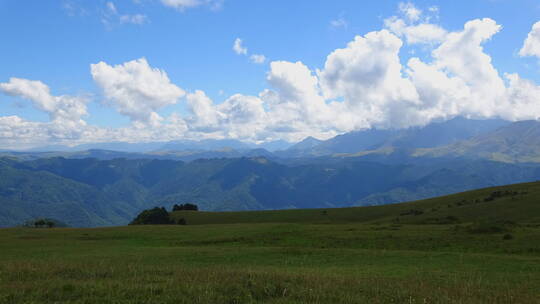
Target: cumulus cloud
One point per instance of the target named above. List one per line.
(462, 55)
(522, 96)
(367, 75)
(362, 85)
(239, 116)
(65, 114)
(60, 108)
(136, 89)
(531, 46)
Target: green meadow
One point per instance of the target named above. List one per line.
(476, 247)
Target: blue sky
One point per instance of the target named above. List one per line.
(55, 42)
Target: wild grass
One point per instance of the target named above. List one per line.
(388, 254)
(270, 263)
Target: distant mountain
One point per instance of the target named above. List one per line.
(517, 142)
(110, 146)
(432, 135)
(306, 145)
(205, 145)
(276, 145)
(92, 192)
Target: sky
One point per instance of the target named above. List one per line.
(85, 71)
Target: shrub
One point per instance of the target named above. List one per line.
(488, 227)
(413, 212)
(507, 236)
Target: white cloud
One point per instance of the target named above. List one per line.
(111, 7)
(111, 17)
(239, 116)
(65, 113)
(362, 85)
(134, 19)
(462, 55)
(182, 4)
(72, 8)
(185, 4)
(410, 11)
(339, 23)
(238, 48)
(135, 89)
(415, 27)
(257, 58)
(367, 74)
(418, 33)
(60, 108)
(531, 46)
(522, 96)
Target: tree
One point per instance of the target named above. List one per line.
(39, 223)
(188, 206)
(154, 216)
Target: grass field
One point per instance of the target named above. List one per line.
(476, 247)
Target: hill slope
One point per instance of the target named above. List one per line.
(512, 203)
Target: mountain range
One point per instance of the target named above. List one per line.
(101, 187)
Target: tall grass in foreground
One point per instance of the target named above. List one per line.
(269, 263)
(132, 283)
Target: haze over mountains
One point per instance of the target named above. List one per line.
(104, 187)
(436, 134)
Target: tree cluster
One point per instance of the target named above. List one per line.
(160, 216)
(188, 206)
(43, 223)
(154, 216)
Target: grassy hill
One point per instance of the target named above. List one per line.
(512, 203)
(475, 247)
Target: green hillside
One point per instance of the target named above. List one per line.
(515, 203)
(476, 247)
